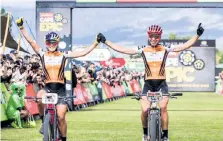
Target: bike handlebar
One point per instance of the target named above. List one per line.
(153, 94)
(36, 99)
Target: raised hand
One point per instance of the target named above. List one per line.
(200, 30)
(19, 23)
(101, 38)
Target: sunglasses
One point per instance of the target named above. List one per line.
(51, 43)
(156, 36)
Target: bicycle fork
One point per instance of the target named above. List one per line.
(155, 112)
(53, 120)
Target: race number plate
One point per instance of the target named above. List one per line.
(50, 98)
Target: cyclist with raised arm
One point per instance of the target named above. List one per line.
(154, 56)
(53, 62)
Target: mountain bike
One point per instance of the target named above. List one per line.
(50, 125)
(154, 114)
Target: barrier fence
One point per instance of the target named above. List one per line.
(87, 94)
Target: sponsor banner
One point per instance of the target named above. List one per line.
(80, 99)
(113, 62)
(84, 92)
(94, 91)
(125, 87)
(95, 1)
(107, 90)
(119, 89)
(122, 90)
(136, 86)
(54, 20)
(130, 87)
(152, 1)
(133, 65)
(4, 100)
(191, 70)
(97, 54)
(89, 95)
(51, 21)
(5, 94)
(199, 43)
(104, 95)
(30, 104)
(116, 90)
(3, 112)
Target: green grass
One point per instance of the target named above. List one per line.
(193, 117)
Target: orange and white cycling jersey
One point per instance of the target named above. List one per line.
(53, 64)
(154, 60)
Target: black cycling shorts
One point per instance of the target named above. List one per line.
(56, 88)
(155, 86)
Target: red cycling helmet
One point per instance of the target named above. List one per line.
(154, 29)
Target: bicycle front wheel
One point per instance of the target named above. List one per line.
(152, 122)
(47, 132)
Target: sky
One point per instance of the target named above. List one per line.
(127, 26)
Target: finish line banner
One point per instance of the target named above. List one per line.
(192, 69)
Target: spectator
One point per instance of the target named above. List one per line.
(6, 74)
(33, 70)
(16, 110)
(74, 76)
(38, 83)
(35, 58)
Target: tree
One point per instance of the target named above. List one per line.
(3, 11)
(219, 56)
(186, 38)
(172, 36)
(221, 60)
(217, 52)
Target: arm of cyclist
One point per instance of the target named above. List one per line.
(117, 48)
(75, 54)
(121, 49)
(26, 36)
(190, 42)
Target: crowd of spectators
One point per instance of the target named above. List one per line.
(28, 69)
(24, 69)
(93, 72)
(18, 71)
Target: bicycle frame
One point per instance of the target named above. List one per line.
(50, 114)
(51, 110)
(50, 100)
(154, 112)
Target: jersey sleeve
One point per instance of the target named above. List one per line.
(67, 54)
